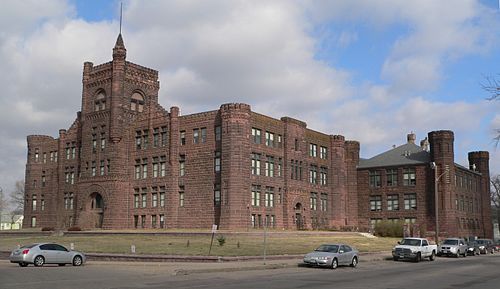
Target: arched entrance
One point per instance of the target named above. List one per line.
(97, 209)
(299, 223)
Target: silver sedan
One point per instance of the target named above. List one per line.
(332, 255)
(46, 253)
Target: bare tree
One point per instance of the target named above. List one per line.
(17, 198)
(495, 195)
(492, 86)
(3, 203)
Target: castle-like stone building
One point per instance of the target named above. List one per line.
(126, 162)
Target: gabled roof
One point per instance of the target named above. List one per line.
(407, 154)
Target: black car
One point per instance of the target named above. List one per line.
(485, 246)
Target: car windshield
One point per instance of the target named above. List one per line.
(481, 242)
(410, 242)
(450, 242)
(328, 248)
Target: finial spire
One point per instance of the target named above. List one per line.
(121, 15)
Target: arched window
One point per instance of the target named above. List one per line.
(137, 102)
(100, 101)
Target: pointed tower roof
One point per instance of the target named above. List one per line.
(119, 51)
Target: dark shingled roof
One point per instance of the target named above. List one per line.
(407, 154)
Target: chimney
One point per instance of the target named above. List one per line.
(411, 137)
(424, 144)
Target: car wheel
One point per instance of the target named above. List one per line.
(458, 254)
(23, 264)
(77, 261)
(354, 262)
(433, 256)
(335, 263)
(395, 258)
(39, 261)
(417, 259)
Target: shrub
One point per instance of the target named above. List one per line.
(389, 229)
(45, 229)
(74, 228)
(222, 240)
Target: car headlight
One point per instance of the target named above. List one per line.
(323, 258)
(481, 247)
(453, 249)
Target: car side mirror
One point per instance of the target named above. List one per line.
(340, 252)
(399, 242)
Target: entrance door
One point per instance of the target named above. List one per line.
(97, 209)
(298, 216)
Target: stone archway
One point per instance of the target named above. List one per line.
(298, 219)
(96, 209)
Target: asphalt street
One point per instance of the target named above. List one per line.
(471, 272)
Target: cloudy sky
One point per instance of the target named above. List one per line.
(372, 70)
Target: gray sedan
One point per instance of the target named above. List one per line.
(332, 255)
(46, 253)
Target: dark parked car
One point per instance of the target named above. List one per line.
(485, 246)
(473, 249)
(332, 255)
(46, 253)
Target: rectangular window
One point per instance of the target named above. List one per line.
(256, 134)
(410, 201)
(42, 203)
(182, 165)
(33, 203)
(183, 137)
(181, 196)
(156, 137)
(163, 166)
(255, 164)
(136, 221)
(164, 136)
(269, 197)
(108, 166)
(375, 181)
(375, 203)
(269, 169)
(143, 221)
(324, 202)
(410, 220)
(217, 196)
(203, 135)
(253, 220)
(155, 167)
(409, 178)
(153, 221)
(313, 150)
(138, 140)
(144, 168)
(162, 196)
(392, 202)
(196, 135)
(145, 139)
(33, 222)
(137, 169)
(313, 201)
(44, 159)
(162, 221)
(279, 171)
(324, 176)
(217, 162)
(154, 200)
(103, 141)
(136, 199)
(101, 168)
(269, 139)
(144, 198)
(255, 195)
(94, 169)
(313, 174)
(392, 177)
(323, 152)
(218, 133)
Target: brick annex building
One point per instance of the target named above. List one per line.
(126, 162)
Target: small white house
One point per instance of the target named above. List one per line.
(9, 222)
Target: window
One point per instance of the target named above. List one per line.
(136, 199)
(44, 159)
(136, 221)
(256, 135)
(144, 198)
(42, 203)
(196, 135)
(33, 203)
(253, 220)
(313, 150)
(143, 221)
(162, 196)
(94, 145)
(144, 168)
(155, 167)
(33, 222)
(296, 145)
(269, 197)
(218, 133)
(137, 169)
(313, 201)
(374, 179)
(255, 195)
(154, 199)
(162, 221)
(323, 152)
(269, 168)
(217, 196)
(203, 135)
(182, 165)
(324, 202)
(217, 162)
(182, 136)
(392, 202)
(375, 203)
(255, 164)
(156, 137)
(37, 155)
(100, 101)
(163, 166)
(94, 169)
(138, 140)
(409, 178)
(280, 165)
(181, 196)
(410, 201)
(313, 174)
(269, 139)
(164, 136)
(153, 221)
(145, 139)
(392, 177)
(101, 168)
(103, 141)
(410, 220)
(137, 102)
(323, 175)
(44, 179)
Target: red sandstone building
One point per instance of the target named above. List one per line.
(126, 162)
(398, 185)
